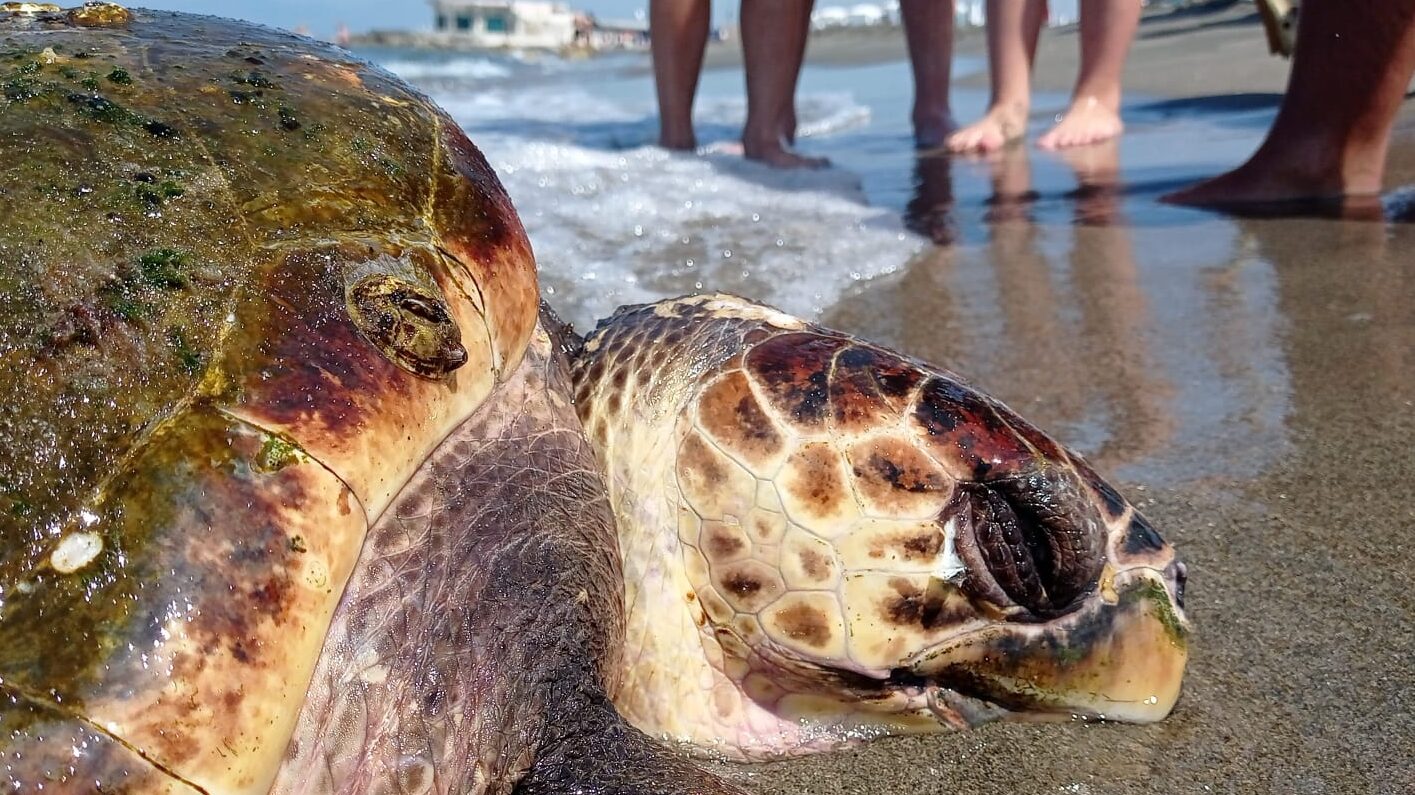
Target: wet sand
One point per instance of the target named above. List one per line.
(1251, 384)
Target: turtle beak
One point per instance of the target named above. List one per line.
(1120, 656)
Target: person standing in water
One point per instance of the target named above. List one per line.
(928, 30)
(1351, 69)
(773, 48)
(1013, 27)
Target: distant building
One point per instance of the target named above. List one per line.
(970, 13)
(618, 34)
(967, 14)
(861, 15)
(511, 24)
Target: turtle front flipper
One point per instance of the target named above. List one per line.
(482, 626)
(825, 541)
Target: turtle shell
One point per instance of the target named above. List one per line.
(248, 283)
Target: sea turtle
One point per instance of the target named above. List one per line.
(295, 496)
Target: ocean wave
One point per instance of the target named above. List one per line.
(615, 227)
(826, 113)
(615, 220)
(817, 113)
(451, 69)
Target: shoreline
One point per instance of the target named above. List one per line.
(1203, 54)
(1161, 62)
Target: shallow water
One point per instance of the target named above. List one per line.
(1251, 383)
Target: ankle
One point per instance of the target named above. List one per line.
(925, 108)
(1096, 97)
(757, 138)
(932, 124)
(1014, 110)
(677, 138)
(1363, 164)
(1312, 161)
(761, 148)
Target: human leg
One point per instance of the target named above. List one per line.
(1107, 28)
(1013, 28)
(928, 29)
(1353, 61)
(678, 37)
(801, 23)
(771, 37)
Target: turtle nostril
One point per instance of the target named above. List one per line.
(1180, 574)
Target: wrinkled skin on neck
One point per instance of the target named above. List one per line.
(473, 649)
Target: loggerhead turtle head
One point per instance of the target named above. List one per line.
(869, 544)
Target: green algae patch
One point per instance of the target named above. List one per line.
(165, 268)
(96, 107)
(253, 78)
(21, 83)
(277, 453)
(158, 193)
(101, 109)
(120, 76)
(189, 358)
(136, 292)
(1163, 610)
(21, 89)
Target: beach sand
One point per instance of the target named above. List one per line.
(1251, 383)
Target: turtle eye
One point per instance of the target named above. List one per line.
(419, 306)
(408, 322)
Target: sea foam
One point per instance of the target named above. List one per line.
(453, 69)
(614, 219)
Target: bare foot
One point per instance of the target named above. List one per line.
(778, 156)
(1260, 191)
(1267, 180)
(1087, 121)
(1001, 125)
(932, 128)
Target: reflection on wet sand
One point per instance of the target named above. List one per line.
(930, 209)
(1115, 319)
(1063, 338)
